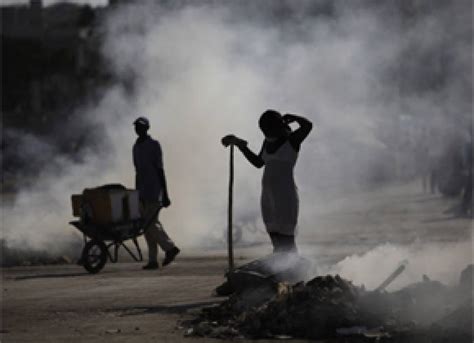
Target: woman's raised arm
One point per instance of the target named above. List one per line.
(299, 135)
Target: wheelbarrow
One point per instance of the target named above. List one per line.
(102, 242)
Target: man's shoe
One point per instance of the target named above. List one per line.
(170, 255)
(151, 266)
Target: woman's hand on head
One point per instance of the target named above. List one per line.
(289, 118)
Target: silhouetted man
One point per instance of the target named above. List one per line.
(151, 185)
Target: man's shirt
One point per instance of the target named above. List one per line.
(148, 160)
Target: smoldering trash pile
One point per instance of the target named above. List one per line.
(330, 307)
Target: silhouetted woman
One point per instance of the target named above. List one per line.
(279, 201)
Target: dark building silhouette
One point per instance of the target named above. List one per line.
(50, 58)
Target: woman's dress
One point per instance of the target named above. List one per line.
(279, 199)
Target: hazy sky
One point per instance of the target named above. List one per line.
(50, 2)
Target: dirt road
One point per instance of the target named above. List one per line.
(63, 304)
(125, 304)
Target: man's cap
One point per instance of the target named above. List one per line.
(142, 121)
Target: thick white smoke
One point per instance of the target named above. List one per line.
(442, 262)
(200, 71)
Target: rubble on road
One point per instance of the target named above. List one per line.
(264, 272)
(331, 307)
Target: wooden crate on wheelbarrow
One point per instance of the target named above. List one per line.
(108, 217)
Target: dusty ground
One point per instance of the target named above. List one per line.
(125, 304)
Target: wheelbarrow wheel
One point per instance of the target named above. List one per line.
(94, 256)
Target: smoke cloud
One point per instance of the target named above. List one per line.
(442, 262)
(200, 70)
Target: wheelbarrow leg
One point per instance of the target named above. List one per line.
(80, 261)
(116, 248)
(140, 255)
(113, 258)
(139, 258)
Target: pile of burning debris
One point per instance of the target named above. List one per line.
(331, 307)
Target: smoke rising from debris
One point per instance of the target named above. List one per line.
(200, 70)
(437, 261)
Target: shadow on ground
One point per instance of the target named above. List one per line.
(168, 309)
(49, 276)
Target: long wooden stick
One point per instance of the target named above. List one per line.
(392, 277)
(230, 249)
